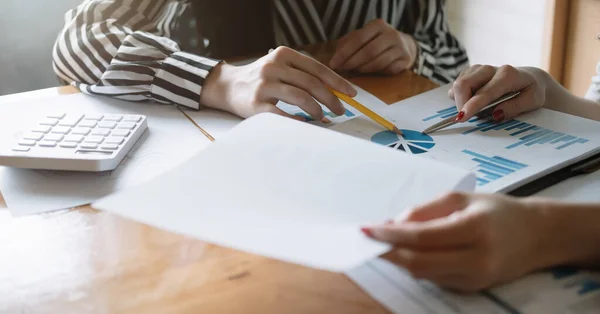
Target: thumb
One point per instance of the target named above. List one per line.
(441, 207)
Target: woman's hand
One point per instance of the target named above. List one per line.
(285, 75)
(480, 85)
(468, 242)
(377, 47)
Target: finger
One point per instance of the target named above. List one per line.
(511, 108)
(268, 107)
(397, 66)
(441, 207)
(462, 73)
(314, 68)
(438, 233)
(507, 79)
(382, 61)
(293, 96)
(314, 87)
(432, 264)
(368, 53)
(352, 42)
(465, 86)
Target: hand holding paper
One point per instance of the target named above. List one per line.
(299, 194)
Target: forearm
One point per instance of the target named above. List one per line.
(125, 52)
(560, 99)
(569, 234)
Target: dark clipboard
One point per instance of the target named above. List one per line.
(582, 167)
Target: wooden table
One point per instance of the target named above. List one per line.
(86, 261)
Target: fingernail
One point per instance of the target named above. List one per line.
(459, 116)
(368, 232)
(498, 115)
(352, 91)
(389, 222)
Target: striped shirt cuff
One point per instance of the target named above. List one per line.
(180, 79)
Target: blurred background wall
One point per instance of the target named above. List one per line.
(28, 30)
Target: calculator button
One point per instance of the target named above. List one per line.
(49, 121)
(122, 133)
(53, 137)
(74, 138)
(67, 145)
(95, 117)
(27, 143)
(41, 129)
(94, 139)
(87, 123)
(20, 149)
(126, 125)
(109, 146)
(113, 117)
(33, 136)
(107, 124)
(88, 146)
(81, 131)
(101, 132)
(47, 144)
(61, 129)
(132, 118)
(114, 140)
(71, 120)
(58, 115)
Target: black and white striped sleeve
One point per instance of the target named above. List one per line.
(122, 48)
(441, 56)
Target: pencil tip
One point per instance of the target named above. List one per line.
(397, 131)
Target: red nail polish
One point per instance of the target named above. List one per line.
(367, 232)
(460, 115)
(498, 115)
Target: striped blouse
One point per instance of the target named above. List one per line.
(138, 49)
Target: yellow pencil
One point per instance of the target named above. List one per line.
(367, 112)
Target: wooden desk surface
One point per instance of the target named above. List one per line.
(85, 261)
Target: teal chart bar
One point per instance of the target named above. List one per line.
(326, 113)
(525, 133)
(492, 168)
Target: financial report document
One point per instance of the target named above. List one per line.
(560, 290)
(503, 155)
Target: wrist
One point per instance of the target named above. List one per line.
(564, 234)
(214, 88)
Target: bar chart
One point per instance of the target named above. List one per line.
(526, 134)
(326, 113)
(492, 168)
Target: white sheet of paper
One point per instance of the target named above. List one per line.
(218, 123)
(169, 140)
(503, 155)
(299, 193)
(560, 290)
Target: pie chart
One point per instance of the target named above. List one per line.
(413, 141)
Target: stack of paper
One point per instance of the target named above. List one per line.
(299, 194)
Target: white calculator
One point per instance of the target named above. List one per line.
(74, 142)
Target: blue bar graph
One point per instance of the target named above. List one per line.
(326, 113)
(493, 168)
(448, 112)
(527, 134)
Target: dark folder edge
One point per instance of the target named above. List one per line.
(581, 167)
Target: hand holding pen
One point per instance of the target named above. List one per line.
(480, 85)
